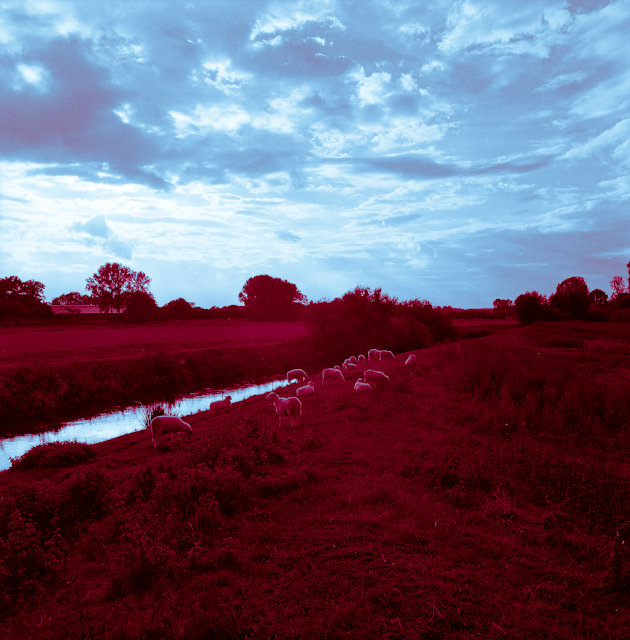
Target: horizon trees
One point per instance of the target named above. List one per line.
(111, 285)
(270, 298)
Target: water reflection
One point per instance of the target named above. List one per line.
(111, 425)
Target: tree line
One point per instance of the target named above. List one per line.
(572, 300)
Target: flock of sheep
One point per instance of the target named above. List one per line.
(292, 407)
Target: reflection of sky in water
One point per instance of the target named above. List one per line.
(111, 425)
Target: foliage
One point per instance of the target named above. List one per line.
(139, 307)
(598, 296)
(270, 298)
(112, 281)
(178, 309)
(364, 319)
(572, 298)
(533, 307)
(618, 287)
(74, 298)
(503, 308)
(53, 454)
(20, 299)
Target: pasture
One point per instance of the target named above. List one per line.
(486, 496)
(61, 344)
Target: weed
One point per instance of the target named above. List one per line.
(53, 454)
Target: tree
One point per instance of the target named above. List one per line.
(22, 299)
(178, 309)
(530, 307)
(598, 296)
(140, 307)
(571, 298)
(270, 298)
(503, 308)
(13, 286)
(110, 285)
(74, 297)
(618, 287)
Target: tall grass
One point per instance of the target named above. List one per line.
(543, 392)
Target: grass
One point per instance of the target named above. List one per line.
(414, 512)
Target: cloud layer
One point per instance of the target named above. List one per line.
(453, 151)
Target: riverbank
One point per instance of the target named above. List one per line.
(63, 391)
(414, 511)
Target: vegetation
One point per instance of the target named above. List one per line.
(486, 496)
(270, 298)
(22, 300)
(112, 286)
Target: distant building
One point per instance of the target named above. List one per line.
(75, 308)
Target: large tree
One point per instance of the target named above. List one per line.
(571, 298)
(111, 285)
(13, 286)
(22, 299)
(270, 298)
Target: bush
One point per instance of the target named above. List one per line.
(53, 454)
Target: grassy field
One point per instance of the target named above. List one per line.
(487, 496)
(62, 344)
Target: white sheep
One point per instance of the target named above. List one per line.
(333, 374)
(168, 424)
(349, 366)
(374, 376)
(290, 407)
(386, 355)
(361, 359)
(373, 354)
(297, 374)
(361, 386)
(306, 390)
(221, 405)
(411, 362)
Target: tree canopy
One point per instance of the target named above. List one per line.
(74, 297)
(270, 298)
(111, 285)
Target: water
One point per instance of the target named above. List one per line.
(106, 426)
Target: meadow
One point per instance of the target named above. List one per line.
(485, 496)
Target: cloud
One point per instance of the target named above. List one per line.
(99, 232)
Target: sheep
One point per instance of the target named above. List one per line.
(373, 354)
(374, 376)
(290, 407)
(361, 359)
(306, 390)
(361, 386)
(333, 374)
(219, 405)
(411, 362)
(349, 366)
(168, 424)
(386, 355)
(298, 374)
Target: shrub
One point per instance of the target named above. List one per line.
(53, 454)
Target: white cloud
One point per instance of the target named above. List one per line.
(617, 134)
(370, 89)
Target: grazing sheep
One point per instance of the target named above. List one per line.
(386, 355)
(373, 354)
(290, 407)
(168, 424)
(411, 362)
(333, 374)
(374, 376)
(349, 366)
(297, 374)
(361, 359)
(220, 405)
(306, 390)
(361, 386)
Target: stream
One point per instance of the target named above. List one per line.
(106, 426)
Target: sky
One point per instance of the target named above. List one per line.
(455, 152)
